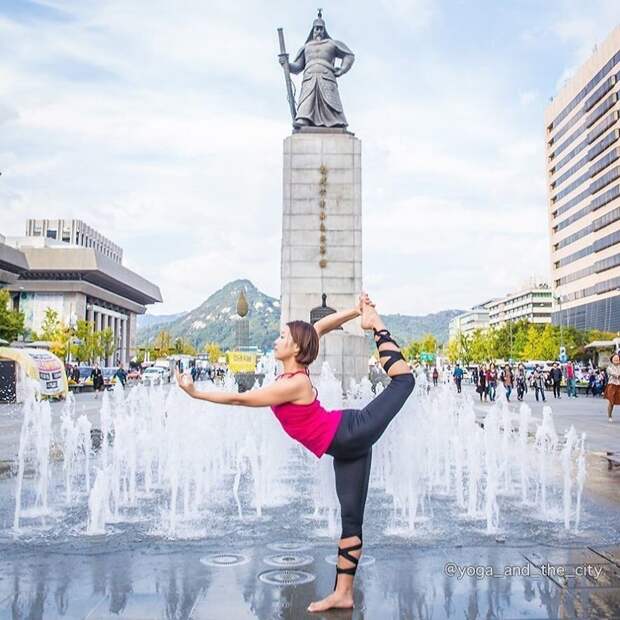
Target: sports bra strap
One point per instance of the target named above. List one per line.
(290, 374)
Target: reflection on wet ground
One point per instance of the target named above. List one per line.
(179, 580)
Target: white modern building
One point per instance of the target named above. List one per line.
(467, 323)
(79, 283)
(74, 232)
(533, 303)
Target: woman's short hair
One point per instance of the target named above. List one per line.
(306, 338)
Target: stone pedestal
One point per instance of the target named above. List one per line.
(322, 240)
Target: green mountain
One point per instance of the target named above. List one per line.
(406, 328)
(214, 321)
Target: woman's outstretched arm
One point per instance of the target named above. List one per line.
(335, 320)
(274, 394)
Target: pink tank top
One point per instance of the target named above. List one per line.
(311, 425)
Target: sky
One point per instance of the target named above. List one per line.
(161, 125)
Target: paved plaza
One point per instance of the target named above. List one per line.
(270, 570)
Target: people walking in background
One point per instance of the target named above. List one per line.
(97, 376)
(571, 381)
(492, 381)
(474, 376)
(458, 377)
(121, 375)
(556, 378)
(482, 383)
(612, 390)
(507, 379)
(521, 381)
(538, 382)
(435, 376)
(591, 382)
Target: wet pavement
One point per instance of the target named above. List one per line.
(405, 581)
(236, 568)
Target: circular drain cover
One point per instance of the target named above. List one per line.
(365, 561)
(286, 560)
(224, 559)
(289, 547)
(286, 577)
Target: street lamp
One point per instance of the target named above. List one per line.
(559, 300)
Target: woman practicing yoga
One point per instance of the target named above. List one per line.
(346, 435)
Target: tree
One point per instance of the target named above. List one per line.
(163, 343)
(481, 348)
(87, 346)
(412, 351)
(212, 349)
(548, 343)
(11, 321)
(105, 342)
(182, 346)
(54, 331)
(453, 349)
(428, 344)
(50, 326)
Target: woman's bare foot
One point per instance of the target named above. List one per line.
(336, 600)
(370, 317)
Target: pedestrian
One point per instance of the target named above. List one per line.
(507, 379)
(571, 381)
(121, 374)
(458, 377)
(97, 376)
(492, 381)
(538, 382)
(435, 376)
(591, 382)
(521, 381)
(612, 391)
(474, 375)
(556, 378)
(482, 383)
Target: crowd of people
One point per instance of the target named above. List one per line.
(489, 378)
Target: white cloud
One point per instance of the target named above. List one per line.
(162, 126)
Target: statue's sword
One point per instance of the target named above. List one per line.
(287, 75)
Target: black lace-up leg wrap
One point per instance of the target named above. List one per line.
(393, 356)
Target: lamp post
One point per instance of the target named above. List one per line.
(559, 300)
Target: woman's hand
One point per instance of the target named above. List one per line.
(185, 382)
(364, 299)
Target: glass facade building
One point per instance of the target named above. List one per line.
(583, 172)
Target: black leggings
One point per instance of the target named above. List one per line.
(351, 448)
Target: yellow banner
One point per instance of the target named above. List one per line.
(241, 361)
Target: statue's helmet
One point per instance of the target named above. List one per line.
(319, 21)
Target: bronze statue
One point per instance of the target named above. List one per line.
(319, 102)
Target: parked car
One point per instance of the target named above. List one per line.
(85, 372)
(155, 374)
(108, 376)
(134, 375)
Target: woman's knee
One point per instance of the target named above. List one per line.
(405, 381)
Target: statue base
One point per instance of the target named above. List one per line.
(310, 129)
(347, 356)
(322, 240)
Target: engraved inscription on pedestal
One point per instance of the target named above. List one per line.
(322, 240)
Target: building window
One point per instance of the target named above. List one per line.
(51, 234)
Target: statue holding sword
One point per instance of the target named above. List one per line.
(319, 101)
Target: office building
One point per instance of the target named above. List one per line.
(74, 232)
(533, 303)
(583, 166)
